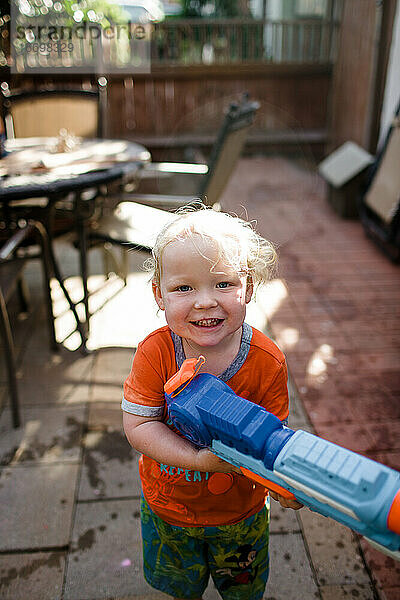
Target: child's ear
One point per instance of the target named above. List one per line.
(157, 295)
(249, 289)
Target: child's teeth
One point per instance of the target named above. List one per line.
(207, 322)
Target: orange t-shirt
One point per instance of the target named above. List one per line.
(192, 498)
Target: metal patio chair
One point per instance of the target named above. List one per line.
(138, 217)
(15, 250)
(45, 112)
(77, 110)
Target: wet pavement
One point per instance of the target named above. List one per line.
(69, 487)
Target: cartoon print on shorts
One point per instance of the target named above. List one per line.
(242, 573)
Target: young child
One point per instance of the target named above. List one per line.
(199, 515)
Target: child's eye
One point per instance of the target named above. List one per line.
(223, 284)
(183, 288)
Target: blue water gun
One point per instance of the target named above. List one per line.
(330, 480)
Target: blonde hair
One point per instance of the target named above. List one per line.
(237, 242)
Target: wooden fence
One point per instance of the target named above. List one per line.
(179, 107)
(176, 107)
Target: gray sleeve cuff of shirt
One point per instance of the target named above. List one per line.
(140, 410)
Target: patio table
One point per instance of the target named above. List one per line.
(34, 169)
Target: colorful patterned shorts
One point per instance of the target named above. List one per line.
(179, 560)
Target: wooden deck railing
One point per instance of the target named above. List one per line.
(185, 42)
(236, 41)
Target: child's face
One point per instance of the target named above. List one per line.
(205, 306)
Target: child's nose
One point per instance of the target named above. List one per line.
(205, 299)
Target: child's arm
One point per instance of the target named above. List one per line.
(150, 436)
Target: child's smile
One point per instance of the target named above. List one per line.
(204, 299)
(208, 322)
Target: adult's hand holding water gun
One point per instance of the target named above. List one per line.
(333, 481)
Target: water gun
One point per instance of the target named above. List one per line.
(335, 482)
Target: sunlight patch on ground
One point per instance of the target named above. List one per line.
(65, 324)
(288, 338)
(128, 317)
(30, 431)
(265, 302)
(319, 361)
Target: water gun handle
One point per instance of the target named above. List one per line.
(270, 485)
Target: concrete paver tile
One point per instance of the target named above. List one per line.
(78, 394)
(39, 506)
(47, 435)
(333, 550)
(290, 577)
(103, 392)
(35, 575)
(105, 415)
(210, 594)
(56, 367)
(106, 556)
(150, 596)
(39, 392)
(112, 364)
(110, 467)
(283, 520)
(347, 592)
(298, 418)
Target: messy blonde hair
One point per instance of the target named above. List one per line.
(237, 242)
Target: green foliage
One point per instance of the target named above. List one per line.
(210, 8)
(226, 8)
(101, 12)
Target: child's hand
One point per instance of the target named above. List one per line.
(286, 502)
(207, 461)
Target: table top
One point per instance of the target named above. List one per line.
(36, 167)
